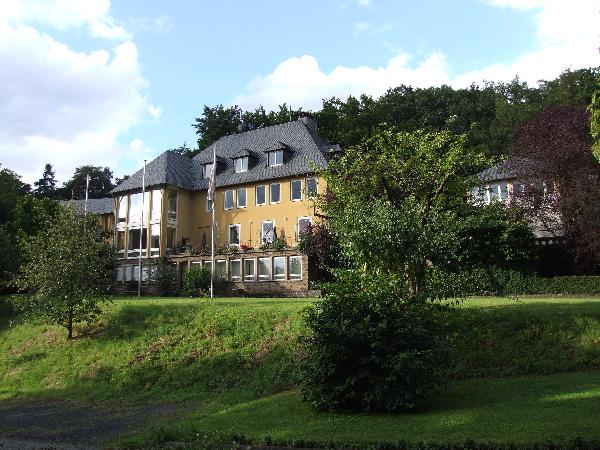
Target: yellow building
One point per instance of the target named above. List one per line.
(265, 189)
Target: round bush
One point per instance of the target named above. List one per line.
(196, 281)
(370, 349)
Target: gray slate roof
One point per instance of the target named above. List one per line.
(505, 170)
(95, 205)
(304, 151)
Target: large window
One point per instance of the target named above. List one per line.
(123, 209)
(234, 234)
(207, 170)
(241, 198)
(311, 186)
(249, 269)
(276, 158)
(241, 164)
(228, 202)
(261, 195)
(279, 267)
(135, 209)
(172, 205)
(304, 224)
(155, 239)
(156, 205)
(133, 242)
(275, 193)
(267, 231)
(120, 244)
(296, 190)
(295, 267)
(235, 266)
(221, 269)
(264, 268)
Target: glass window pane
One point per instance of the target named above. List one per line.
(209, 205)
(264, 268)
(260, 195)
(296, 188)
(275, 193)
(207, 170)
(249, 269)
(503, 191)
(221, 269)
(135, 209)
(123, 208)
(228, 199)
(279, 267)
(156, 204)
(241, 198)
(295, 267)
(120, 244)
(304, 224)
(120, 273)
(154, 239)
(236, 269)
(311, 186)
(172, 205)
(234, 234)
(267, 231)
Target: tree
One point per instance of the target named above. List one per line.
(594, 110)
(215, 123)
(562, 179)
(46, 186)
(11, 188)
(67, 271)
(100, 183)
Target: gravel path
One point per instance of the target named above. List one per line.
(66, 424)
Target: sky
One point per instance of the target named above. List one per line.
(114, 82)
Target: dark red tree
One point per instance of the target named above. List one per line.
(561, 179)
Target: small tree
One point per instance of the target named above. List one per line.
(196, 281)
(67, 271)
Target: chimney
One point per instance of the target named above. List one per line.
(309, 122)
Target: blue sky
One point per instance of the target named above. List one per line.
(112, 83)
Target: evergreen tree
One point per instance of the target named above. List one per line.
(46, 186)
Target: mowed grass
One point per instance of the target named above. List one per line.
(522, 370)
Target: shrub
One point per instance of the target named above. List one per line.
(196, 281)
(164, 277)
(370, 349)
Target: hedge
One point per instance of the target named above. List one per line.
(509, 282)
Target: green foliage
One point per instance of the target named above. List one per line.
(196, 281)
(594, 109)
(100, 183)
(67, 271)
(370, 348)
(164, 277)
(46, 186)
(278, 244)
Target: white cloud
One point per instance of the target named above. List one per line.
(62, 106)
(162, 24)
(361, 27)
(567, 37)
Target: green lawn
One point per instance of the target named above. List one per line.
(522, 370)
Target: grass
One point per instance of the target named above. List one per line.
(527, 366)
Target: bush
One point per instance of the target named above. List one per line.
(164, 277)
(370, 349)
(196, 281)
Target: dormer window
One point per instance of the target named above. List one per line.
(241, 164)
(275, 158)
(207, 170)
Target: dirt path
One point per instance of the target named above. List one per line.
(67, 424)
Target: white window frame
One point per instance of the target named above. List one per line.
(205, 171)
(249, 277)
(237, 195)
(264, 186)
(243, 164)
(225, 200)
(292, 190)
(271, 193)
(262, 231)
(275, 154)
(264, 277)
(239, 231)
(282, 276)
(241, 275)
(293, 276)
(298, 223)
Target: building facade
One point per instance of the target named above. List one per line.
(265, 198)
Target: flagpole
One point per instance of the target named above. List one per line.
(87, 188)
(213, 188)
(141, 232)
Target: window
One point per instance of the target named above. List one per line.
(264, 268)
(228, 203)
(207, 170)
(311, 186)
(249, 267)
(221, 269)
(172, 205)
(135, 209)
(304, 225)
(171, 232)
(241, 164)
(128, 273)
(493, 192)
(120, 273)
(267, 231)
(154, 239)
(208, 265)
(504, 191)
(261, 194)
(295, 267)
(120, 244)
(123, 209)
(209, 204)
(276, 158)
(296, 190)
(133, 247)
(241, 198)
(156, 205)
(235, 266)
(275, 193)
(279, 267)
(234, 234)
